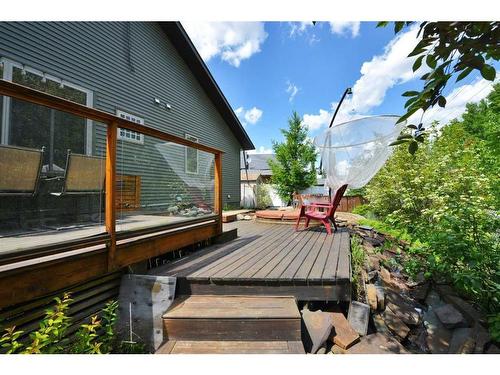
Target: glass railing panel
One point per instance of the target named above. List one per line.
(161, 183)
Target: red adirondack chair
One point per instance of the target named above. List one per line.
(323, 212)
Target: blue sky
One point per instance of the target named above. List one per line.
(267, 70)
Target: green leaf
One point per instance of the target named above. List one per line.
(398, 26)
(417, 63)
(411, 126)
(411, 93)
(398, 142)
(405, 136)
(413, 147)
(464, 73)
(382, 24)
(417, 51)
(488, 72)
(431, 61)
(406, 115)
(442, 101)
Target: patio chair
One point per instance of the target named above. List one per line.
(20, 170)
(84, 174)
(323, 212)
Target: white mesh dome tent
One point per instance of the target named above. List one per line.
(353, 152)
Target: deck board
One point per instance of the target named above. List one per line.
(269, 258)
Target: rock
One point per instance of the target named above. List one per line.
(433, 299)
(404, 308)
(420, 292)
(419, 280)
(372, 276)
(377, 343)
(371, 296)
(481, 336)
(380, 298)
(173, 210)
(321, 350)
(374, 263)
(466, 309)
(395, 325)
(318, 326)
(338, 350)
(358, 317)
(462, 341)
(438, 337)
(379, 324)
(438, 341)
(493, 349)
(450, 317)
(240, 217)
(342, 334)
(418, 339)
(247, 217)
(385, 275)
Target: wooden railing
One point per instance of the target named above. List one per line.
(112, 241)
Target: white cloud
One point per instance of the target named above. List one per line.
(457, 100)
(298, 28)
(292, 90)
(345, 28)
(261, 150)
(249, 116)
(378, 75)
(231, 41)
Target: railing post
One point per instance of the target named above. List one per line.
(110, 207)
(218, 190)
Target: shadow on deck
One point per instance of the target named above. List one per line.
(269, 259)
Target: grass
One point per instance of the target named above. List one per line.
(357, 259)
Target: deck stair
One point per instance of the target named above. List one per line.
(232, 324)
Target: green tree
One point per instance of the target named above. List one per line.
(293, 170)
(449, 49)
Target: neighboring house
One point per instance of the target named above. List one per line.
(148, 72)
(257, 172)
(318, 189)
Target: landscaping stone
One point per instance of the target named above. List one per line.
(338, 350)
(462, 341)
(450, 317)
(395, 325)
(371, 296)
(433, 299)
(438, 340)
(493, 349)
(379, 324)
(481, 336)
(318, 326)
(418, 339)
(374, 263)
(404, 308)
(380, 298)
(419, 280)
(420, 292)
(438, 337)
(372, 276)
(342, 334)
(321, 350)
(377, 343)
(358, 317)
(466, 309)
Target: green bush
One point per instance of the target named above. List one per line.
(52, 337)
(444, 201)
(262, 196)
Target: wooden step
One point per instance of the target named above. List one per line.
(232, 318)
(232, 347)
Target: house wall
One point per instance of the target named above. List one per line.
(126, 66)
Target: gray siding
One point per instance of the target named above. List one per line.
(127, 66)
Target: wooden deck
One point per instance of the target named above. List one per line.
(268, 259)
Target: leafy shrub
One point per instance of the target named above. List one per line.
(51, 336)
(357, 259)
(262, 196)
(445, 202)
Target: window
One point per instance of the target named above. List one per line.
(130, 135)
(191, 156)
(29, 125)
